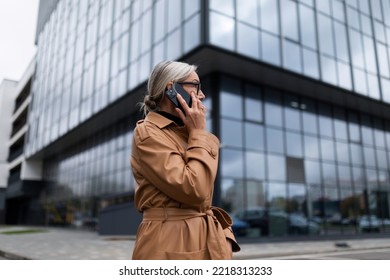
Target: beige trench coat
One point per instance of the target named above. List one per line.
(175, 173)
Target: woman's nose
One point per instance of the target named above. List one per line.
(201, 96)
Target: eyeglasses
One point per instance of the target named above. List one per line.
(193, 84)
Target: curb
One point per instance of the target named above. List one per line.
(11, 256)
(281, 254)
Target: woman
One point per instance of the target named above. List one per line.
(174, 161)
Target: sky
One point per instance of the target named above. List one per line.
(18, 21)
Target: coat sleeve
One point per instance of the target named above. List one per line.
(187, 179)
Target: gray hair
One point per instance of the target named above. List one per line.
(161, 75)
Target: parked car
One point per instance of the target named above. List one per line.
(369, 223)
(260, 217)
(256, 218)
(239, 227)
(299, 224)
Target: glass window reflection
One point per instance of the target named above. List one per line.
(255, 165)
(273, 109)
(289, 16)
(249, 12)
(248, 41)
(276, 167)
(233, 163)
(253, 103)
(270, 48)
(254, 136)
(294, 144)
(223, 6)
(292, 56)
(222, 31)
(275, 140)
(231, 104)
(311, 147)
(231, 133)
(268, 10)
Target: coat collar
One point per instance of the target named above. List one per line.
(158, 120)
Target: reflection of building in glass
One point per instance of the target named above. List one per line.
(298, 93)
(254, 194)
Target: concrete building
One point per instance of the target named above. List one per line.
(25, 176)
(297, 91)
(7, 98)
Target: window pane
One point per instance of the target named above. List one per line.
(248, 12)
(270, 48)
(253, 103)
(325, 35)
(312, 173)
(353, 18)
(327, 149)
(373, 86)
(275, 141)
(222, 31)
(232, 195)
(325, 121)
(341, 42)
(232, 163)
(255, 165)
(223, 6)
(269, 18)
(344, 75)
(248, 41)
(276, 168)
(311, 147)
(291, 113)
(360, 84)
(292, 56)
(231, 101)
(191, 33)
(307, 24)
(231, 133)
(310, 64)
(356, 48)
(369, 157)
(342, 152)
(273, 109)
(309, 118)
(369, 54)
(173, 48)
(329, 174)
(328, 68)
(383, 60)
(174, 14)
(294, 144)
(356, 154)
(289, 19)
(191, 7)
(254, 136)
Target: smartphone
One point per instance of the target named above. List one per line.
(174, 91)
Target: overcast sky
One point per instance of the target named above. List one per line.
(18, 21)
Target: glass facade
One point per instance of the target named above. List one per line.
(297, 158)
(290, 163)
(91, 53)
(342, 43)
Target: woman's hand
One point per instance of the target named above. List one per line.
(194, 117)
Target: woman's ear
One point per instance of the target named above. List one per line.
(169, 85)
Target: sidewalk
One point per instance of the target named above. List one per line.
(67, 244)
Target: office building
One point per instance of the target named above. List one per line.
(297, 91)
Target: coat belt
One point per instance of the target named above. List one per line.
(217, 220)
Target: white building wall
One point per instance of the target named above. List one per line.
(7, 102)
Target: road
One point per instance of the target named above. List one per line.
(368, 254)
